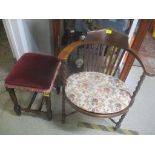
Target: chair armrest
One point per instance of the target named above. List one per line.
(143, 60)
(64, 54)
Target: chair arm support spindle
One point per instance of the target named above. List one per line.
(142, 77)
(64, 73)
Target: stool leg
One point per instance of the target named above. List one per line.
(32, 101)
(41, 104)
(12, 94)
(48, 107)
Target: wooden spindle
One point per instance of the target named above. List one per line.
(114, 61)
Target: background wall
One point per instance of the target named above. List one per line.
(34, 35)
(38, 34)
(16, 37)
(29, 35)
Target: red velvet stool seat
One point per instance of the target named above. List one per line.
(33, 72)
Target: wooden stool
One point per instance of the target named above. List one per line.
(36, 73)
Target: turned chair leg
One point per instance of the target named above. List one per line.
(12, 94)
(48, 107)
(118, 124)
(58, 89)
(58, 85)
(63, 106)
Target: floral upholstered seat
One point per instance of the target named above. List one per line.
(97, 92)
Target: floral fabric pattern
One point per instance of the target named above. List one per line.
(97, 92)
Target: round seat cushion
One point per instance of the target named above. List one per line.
(97, 92)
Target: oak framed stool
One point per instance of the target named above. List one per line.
(37, 73)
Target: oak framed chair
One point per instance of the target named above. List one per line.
(95, 89)
(36, 73)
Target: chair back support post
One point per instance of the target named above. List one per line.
(64, 73)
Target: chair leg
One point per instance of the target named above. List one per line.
(63, 106)
(58, 85)
(58, 89)
(48, 107)
(12, 94)
(118, 124)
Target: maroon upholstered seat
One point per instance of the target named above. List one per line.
(34, 72)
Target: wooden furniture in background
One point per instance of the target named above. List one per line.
(137, 42)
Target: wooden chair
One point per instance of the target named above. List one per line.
(96, 89)
(36, 73)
